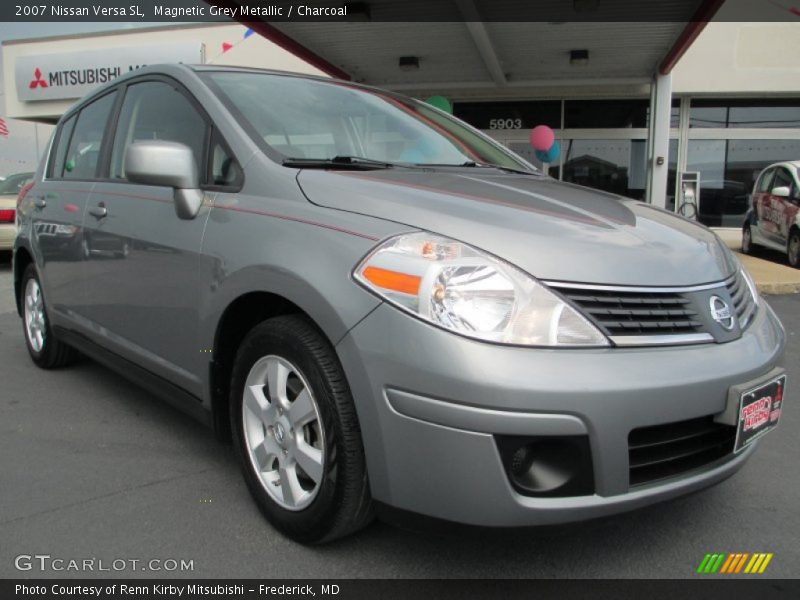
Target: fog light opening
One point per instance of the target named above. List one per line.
(544, 467)
(548, 466)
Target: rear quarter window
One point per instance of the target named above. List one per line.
(59, 152)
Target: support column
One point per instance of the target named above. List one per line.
(658, 140)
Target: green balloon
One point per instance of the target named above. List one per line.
(441, 103)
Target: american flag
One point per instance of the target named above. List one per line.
(3, 127)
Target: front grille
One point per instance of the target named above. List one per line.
(664, 451)
(743, 301)
(637, 313)
(644, 316)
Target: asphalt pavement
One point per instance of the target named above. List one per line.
(93, 467)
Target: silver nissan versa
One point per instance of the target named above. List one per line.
(385, 309)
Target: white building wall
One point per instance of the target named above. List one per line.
(754, 59)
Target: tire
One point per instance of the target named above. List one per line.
(793, 249)
(305, 466)
(747, 240)
(45, 350)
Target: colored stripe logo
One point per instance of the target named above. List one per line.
(734, 563)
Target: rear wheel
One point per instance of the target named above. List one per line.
(297, 435)
(793, 249)
(45, 350)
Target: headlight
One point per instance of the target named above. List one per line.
(751, 285)
(460, 288)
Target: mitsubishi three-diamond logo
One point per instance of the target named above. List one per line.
(37, 80)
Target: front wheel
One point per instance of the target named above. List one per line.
(747, 240)
(297, 435)
(793, 249)
(45, 350)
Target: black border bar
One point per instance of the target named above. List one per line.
(397, 589)
(277, 11)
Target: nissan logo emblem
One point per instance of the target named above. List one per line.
(721, 312)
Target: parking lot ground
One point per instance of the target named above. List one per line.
(92, 466)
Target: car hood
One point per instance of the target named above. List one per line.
(553, 230)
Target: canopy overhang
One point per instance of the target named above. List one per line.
(497, 57)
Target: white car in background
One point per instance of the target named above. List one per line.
(773, 220)
(9, 190)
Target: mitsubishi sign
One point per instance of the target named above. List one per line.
(70, 75)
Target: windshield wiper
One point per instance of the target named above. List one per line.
(347, 162)
(472, 163)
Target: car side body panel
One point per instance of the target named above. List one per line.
(774, 217)
(278, 242)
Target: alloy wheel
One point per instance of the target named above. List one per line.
(283, 432)
(35, 323)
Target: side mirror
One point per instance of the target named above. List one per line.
(781, 192)
(167, 164)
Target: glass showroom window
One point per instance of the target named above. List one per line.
(729, 142)
(510, 122)
(617, 166)
(745, 114)
(629, 113)
(603, 142)
(526, 151)
(728, 169)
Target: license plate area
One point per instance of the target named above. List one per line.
(759, 411)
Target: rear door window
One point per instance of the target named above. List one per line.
(85, 145)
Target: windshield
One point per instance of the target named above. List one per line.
(319, 120)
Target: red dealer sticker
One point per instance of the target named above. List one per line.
(759, 411)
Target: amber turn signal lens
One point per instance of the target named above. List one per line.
(392, 280)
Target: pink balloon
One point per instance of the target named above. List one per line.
(542, 138)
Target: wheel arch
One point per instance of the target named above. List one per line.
(238, 317)
(22, 258)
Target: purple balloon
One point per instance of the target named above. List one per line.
(542, 138)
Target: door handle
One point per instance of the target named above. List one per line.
(39, 202)
(98, 211)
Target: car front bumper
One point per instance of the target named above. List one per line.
(431, 405)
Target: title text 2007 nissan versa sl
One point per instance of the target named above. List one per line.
(385, 308)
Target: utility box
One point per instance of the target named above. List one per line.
(688, 194)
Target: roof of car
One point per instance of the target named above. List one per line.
(212, 67)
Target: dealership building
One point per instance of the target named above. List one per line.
(652, 110)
